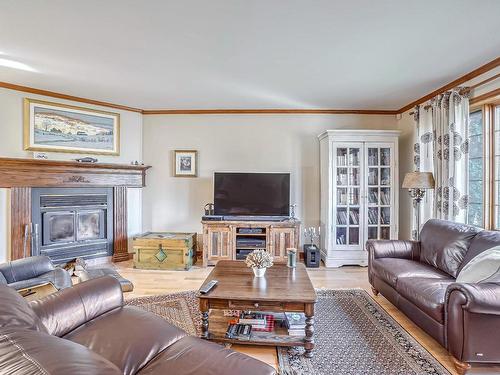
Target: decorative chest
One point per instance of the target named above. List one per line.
(164, 250)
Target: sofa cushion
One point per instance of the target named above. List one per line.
(192, 356)
(443, 244)
(15, 312)
(25, 352)
(391, 269)
(485, 267)
(484, 240)
(427, 294)
(127, 336)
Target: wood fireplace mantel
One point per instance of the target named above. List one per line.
(20, 175)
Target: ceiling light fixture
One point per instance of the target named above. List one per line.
(16, 65)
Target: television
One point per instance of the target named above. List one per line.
(251, 194)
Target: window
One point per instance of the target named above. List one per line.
(484, 164)
(475, 214)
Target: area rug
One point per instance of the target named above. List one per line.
(353, 335)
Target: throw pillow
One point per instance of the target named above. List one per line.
(483, 268)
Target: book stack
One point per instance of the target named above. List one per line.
(256, 320)
(342, 217)
(296, 323)
(239, 331)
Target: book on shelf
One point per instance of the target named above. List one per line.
(239, 332)
(342, 217)
(354, 217)
(296, 323)
(340, 239)
(252, 318)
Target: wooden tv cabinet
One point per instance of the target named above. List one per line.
(220, 239)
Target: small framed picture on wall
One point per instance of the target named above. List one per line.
(185, 163)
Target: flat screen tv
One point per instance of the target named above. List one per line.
(251, 194)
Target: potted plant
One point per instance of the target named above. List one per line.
(259, 260)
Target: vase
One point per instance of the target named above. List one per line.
(259, 272)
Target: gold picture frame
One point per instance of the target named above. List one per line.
(56, 127)
(185, 163)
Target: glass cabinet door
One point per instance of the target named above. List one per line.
(347, 192)
(379, 191)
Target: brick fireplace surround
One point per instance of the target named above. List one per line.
(21, 175)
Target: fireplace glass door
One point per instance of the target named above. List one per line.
(90, 225)
(58, 226)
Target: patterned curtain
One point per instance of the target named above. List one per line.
(442, 147)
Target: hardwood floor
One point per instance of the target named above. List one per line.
(151, 282)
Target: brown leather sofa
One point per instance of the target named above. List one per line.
(87, 329)
(419, 279)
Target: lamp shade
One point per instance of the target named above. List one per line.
(418, 180)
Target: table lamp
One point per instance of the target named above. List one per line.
(417, 183)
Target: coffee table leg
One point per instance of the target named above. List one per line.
(309, 340)
(204, 307)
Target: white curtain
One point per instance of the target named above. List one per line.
(442, 147)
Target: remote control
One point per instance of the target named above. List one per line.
(208, 286)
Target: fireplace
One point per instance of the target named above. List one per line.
(72, 222)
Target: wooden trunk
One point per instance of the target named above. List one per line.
(164, 251)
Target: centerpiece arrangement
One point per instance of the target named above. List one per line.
(259, 260)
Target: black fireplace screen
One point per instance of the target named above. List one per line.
(73, 222)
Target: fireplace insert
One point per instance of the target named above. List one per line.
(72, 222)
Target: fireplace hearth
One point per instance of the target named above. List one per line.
(72, 222)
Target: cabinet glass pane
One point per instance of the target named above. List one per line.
(342, 216)
(373, 156)
(385, 156)
(385, 176)
(372, 176)
(385, 233)
(354, 176)
(342, 176)
(224, 241)
(354, 156)
(372, 195)
(372, 233)
(354, 196)
(341, 236)
(342, 196)
(353, 236)
(354, 216)
(215, 244)
(372, 215)
(342, 156)
(385, 196)
(385, 215)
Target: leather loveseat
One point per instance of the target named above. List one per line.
(419, 279)
(32, 271)
(87, 329)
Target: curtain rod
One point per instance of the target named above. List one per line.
(472, 87)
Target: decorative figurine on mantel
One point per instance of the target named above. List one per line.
(259, 260)
(312, 254)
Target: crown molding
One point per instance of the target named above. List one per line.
(466, 77)
(58, 95)
(267, 111)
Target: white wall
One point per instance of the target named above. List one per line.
(260, 143)
(11, 145)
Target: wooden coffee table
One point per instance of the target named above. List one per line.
(281, 289)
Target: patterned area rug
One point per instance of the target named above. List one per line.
(353, 335)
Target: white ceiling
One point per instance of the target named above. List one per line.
(203, 54)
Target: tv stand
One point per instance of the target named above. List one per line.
(234, 239)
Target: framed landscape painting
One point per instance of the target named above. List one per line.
(185, 163)
(64, 128)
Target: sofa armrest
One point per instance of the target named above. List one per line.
(26, 268)
(403, 249)
(68, 309)
(472, 321)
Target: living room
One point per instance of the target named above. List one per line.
(333, 168)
